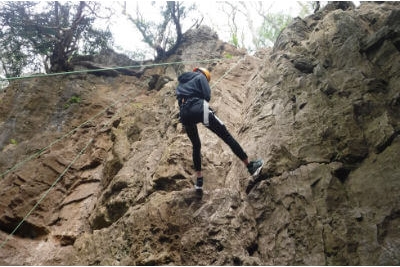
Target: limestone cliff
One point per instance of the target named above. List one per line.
(321, 108)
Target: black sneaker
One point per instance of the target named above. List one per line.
(255, 167)
(199, 184)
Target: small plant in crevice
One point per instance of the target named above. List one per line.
(73, 100)
(228, 56)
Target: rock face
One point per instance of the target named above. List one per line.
(321, 108)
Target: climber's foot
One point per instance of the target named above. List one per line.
(199, 184)
(255, 166)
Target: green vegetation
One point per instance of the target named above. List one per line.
(271, 28)
(46, 36)
(228, 56)
(165, 34)
(72, 100)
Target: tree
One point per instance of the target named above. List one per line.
(256, 24)
(243, 18)
(50, 32)
(231, 10)
(271, 27)
(166, 34)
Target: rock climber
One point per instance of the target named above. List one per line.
(193, 94)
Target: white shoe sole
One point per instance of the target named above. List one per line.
(198, 187)
(257, 172)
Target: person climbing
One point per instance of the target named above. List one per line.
(193, 94)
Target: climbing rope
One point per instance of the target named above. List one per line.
(67, 168)
(41, 151)
(46, 193)
(106, 69)
(227, 72)
(87, 145)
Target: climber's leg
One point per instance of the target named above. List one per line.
(193, 134)
(218, 127)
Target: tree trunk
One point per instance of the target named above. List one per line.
(59, 60)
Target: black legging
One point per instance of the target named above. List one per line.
(219, 129)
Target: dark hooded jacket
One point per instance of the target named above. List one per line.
(193, 84)
(191, 92)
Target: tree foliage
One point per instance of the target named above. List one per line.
(47, 34)
(271, 27)
(163, 34)
(231, 10)
(256, 21)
